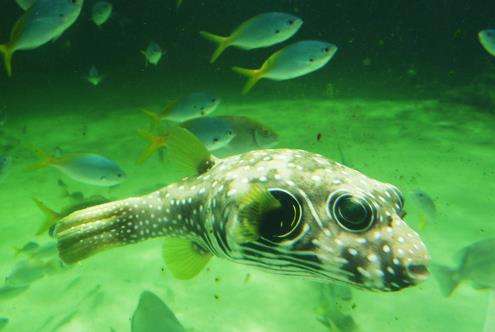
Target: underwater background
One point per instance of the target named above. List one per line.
(407, 99)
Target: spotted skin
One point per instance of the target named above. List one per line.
(205, 209)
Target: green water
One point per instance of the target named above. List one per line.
(388, 124)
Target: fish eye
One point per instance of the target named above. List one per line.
(284, 222)
(229, 133)
(103, 177)
(326, 49)
(277, 31)
(213, 100)
(290, 22)
(352, 213)
(311, 60)
(120, 175)
(215, 139)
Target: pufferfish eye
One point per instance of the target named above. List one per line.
(352, 213)
(283, 223)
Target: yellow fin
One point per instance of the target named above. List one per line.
(51, 217)
(256, 202)
(156, 142)
(188, 151)
(7, 58)
(155, 118)
(423, 221)
(253, 75)
(45, 160)
(222, 42)
(184, 258)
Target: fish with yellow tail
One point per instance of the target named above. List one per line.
(292, 61)
(45, 20)
(263, 30)
(285, 211)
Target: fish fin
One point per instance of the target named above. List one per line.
(51, 217)
(184, 258)
(156, 143)
(155, 118)
(222, 42)
(168, 108)
(252, 206)
(7, 58)
(423, 221)
(188, 151)
(448, 279)
(253, 75)
(45, 160)
(86, 232)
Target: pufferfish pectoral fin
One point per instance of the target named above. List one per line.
(188, 150)
(184, 258)
(253, 206)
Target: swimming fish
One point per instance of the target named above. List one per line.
(4, 166)
(94, 76)
(286, 211)
(263, 30)
(153, 315)
(25, 4)
(292, 61)
(427, 207)
(475, 264)
(46, 250)
(214, 132)
(8, 292)
(3, 322)
(27, 248)
(195, 105)
(86, 168)
(101, 12)
(45, 20)
(27, 271)
(249, 135)
(153, 53)
(52, 216)
(487, 40)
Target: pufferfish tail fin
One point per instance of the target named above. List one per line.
(7, 58)
(86, 232)
(222, 43)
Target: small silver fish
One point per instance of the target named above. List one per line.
(152, 312)
(45, 20)
(263, 30)
(285, 211)
(249, 135)
(292, 61)
(214, 132)
(94, 77)
(3, 322)
(8, 292)
(475, 264)
(487, 40)
(101, 12)
(26, 271)
(88, 168)
(153, 53)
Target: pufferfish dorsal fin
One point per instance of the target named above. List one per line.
(184, 258)
(252, 206)
(188, 151)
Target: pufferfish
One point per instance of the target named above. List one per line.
(285, 211)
